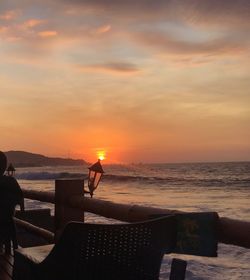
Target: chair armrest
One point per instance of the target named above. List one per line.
(26, 258)
(35, 254)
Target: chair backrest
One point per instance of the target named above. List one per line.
(101, 251)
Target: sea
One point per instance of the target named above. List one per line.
(191, 187)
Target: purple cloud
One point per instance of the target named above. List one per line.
(114, 67)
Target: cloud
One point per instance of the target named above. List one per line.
(22, 29)
(47, 33)
(103, 29)
(3, 29)
(141, 24)
(219, 12)
(170, 44)
(32, 23)
(209, 11)
(112, 67)
(224, 24)
(222, 13)
(9, 15)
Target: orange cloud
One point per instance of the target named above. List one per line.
(9, 15)
(103, 29)
(47, 33)
(32, 23)
(3, 29)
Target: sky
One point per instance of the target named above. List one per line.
(142, 81)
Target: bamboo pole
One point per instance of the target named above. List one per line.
(39, 195)
(122, 212)
(234, 232)
(47, 235)
(230, 231)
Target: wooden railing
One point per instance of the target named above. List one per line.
(39, 195)
(47, 235)
(70, 204)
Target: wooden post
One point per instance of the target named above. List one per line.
(64, 213)
(178, 269)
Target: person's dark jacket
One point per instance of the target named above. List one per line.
(10, 196)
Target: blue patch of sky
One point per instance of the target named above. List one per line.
(180, 31)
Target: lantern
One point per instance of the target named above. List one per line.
(11, 170)
(95, 174)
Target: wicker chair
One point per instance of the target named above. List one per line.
(95, 252)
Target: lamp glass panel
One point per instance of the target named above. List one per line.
(97, 179)
(91, 180)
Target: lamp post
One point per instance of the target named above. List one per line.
(95, 175)
(11, 170)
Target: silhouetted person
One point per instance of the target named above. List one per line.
(10, 196)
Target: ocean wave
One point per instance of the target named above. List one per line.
(138, 179)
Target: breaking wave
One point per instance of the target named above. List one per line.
(139, 179)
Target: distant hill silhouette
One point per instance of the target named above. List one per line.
(26, 159)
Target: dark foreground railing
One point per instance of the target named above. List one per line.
(47, 235)
(70, 204)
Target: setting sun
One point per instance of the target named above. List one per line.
(101, 155)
